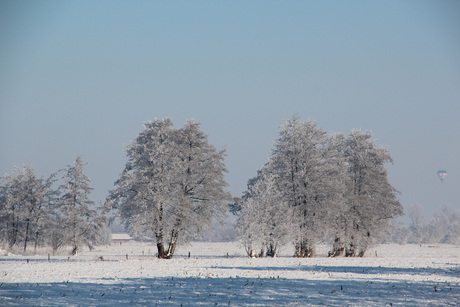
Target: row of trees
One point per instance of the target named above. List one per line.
(42, 212)
(318, 187)
(444, 227)
(314, 187)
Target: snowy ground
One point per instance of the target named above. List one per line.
(389, 275)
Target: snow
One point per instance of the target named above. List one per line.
(129, 274)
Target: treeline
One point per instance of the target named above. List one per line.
(443, 228)
(38, 212)
(318, 187)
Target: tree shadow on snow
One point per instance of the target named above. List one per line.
(453, 271)
(228, 291)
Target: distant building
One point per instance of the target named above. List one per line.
(119, 238)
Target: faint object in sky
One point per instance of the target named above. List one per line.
(442, 174)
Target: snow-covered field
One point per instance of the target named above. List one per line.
(129, 274)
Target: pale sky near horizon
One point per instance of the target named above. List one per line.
(81, 77)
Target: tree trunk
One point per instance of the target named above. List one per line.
(159, 235)
(75, 243)
(249, 249)
(261, 254)
(337, 248)
(14, 233)
(161, 250)
(172, 244)
(297, 250)
(27, 235)
(36, 242)
(160, 244)
(350, 251)
(304, 250)
(271, 250)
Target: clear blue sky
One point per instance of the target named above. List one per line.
(81, 77)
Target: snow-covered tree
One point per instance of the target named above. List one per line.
(172, 186)
(4, 211)
(444, 227)
(371, 200)
(199, 185)
(335, 187)
(143, 190)
(399, 233)
(339, 187)
(78, 219)
(11, 210)
(56, 238)
(42, 204)
(264, 218)
(452, 235)
(417, 225)
(308, 174)
(26, 204)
